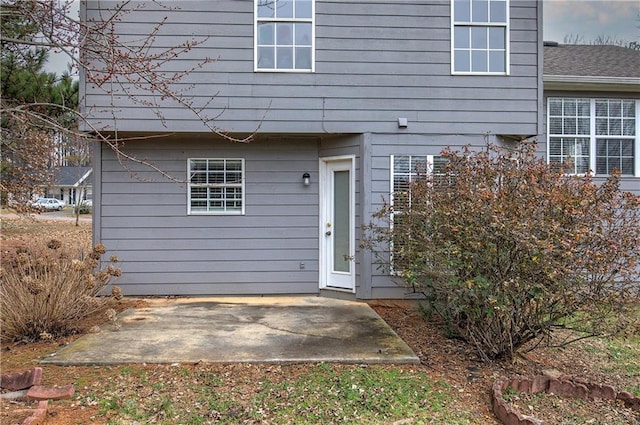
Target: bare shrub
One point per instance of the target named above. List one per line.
(48, 288)
(505, 247)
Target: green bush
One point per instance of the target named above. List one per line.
(82, 208)
(505, 247)
(47, 289)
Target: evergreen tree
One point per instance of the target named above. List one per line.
(34, 140)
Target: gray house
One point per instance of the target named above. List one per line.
(592, 105)
(347, 100)
(70, 184)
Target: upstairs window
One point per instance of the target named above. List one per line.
(480, 37)
(598, 135)
(284, 35)
(216, 186)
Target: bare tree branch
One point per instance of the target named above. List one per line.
(132, 68)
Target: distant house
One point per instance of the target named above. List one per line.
(352, 100)
(71, 184)
(592, 107)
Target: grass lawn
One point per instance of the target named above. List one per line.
(450, 386)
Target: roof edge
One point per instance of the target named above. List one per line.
(595, 83)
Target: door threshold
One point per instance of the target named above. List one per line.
(340, 294)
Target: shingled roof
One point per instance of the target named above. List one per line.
(591, 61)
(70, 176)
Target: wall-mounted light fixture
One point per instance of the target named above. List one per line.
(306, 178)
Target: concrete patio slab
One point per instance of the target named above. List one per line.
(247, 329)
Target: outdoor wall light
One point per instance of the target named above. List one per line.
(306, 179)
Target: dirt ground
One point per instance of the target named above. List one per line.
(447, 360)
(443, 359)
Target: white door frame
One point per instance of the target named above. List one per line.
(329, 279)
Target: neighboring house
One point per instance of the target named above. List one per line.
(70, 184)
(350, 98)
(592, 105)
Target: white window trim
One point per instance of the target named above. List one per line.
(242, 186)
(506, 26)
(312, 21)
(593, 137)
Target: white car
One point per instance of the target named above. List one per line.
(48, 204)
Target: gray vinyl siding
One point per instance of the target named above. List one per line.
(162, 250)
(375, 61)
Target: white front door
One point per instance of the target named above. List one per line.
(337, 223)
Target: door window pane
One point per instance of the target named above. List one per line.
(341, 213)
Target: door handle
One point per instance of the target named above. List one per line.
(328, 233)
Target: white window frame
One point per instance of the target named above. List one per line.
(240, 185)
(430, 159)
(479, 24)
(257, 20)
(593, 137)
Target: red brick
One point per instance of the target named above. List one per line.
(608, 392)
(39, 415)
(539, 384)
(530, 420)
(581, 390)
(633, 403)
(21, 381)
(512, 418)
(524, 386)
(624, 396)
(500, 384)
(501, 412)
(50, 393)
(513, 384)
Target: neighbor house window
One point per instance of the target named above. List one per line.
(405, 171)
(593, 135)
(216, 186)
(480, 37)
(284, 35)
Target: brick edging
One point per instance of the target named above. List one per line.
(562, 386)
(28, 384)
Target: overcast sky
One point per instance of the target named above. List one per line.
(613, 19)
